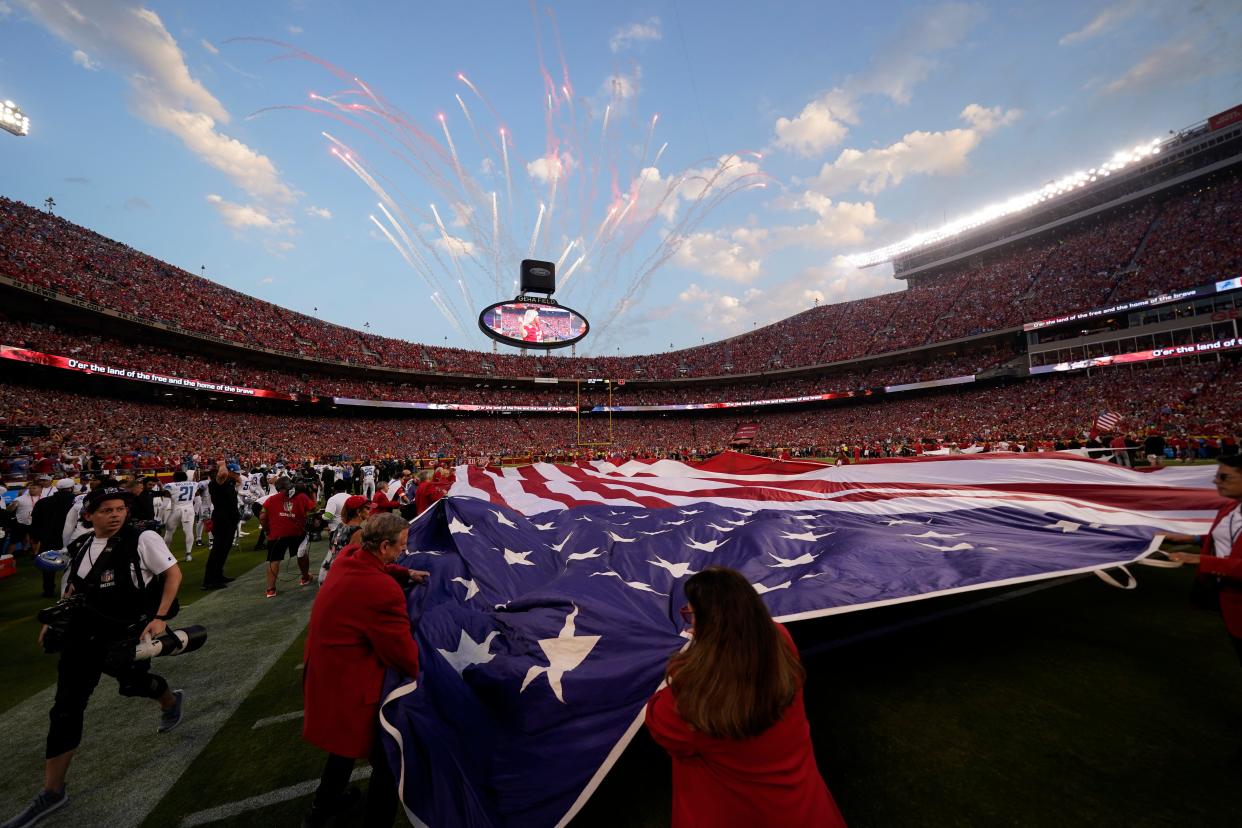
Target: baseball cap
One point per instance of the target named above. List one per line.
(104, 493)
(355, 502)
(64, 483)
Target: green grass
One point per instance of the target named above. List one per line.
(241, 762)
(25, 668)
(1076, 705)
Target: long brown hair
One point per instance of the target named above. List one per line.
(738, 675)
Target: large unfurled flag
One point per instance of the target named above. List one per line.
(554, 597)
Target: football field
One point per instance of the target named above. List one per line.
(1066, 702)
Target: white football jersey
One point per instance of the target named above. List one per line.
(182, 492)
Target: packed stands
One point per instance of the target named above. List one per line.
(1168, 241)
(1179, 400)
(108, 350)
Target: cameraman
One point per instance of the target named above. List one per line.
(126, 581)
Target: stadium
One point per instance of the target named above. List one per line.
(1043, 372)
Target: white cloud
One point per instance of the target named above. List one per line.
(738, 254)
(823, 123)
(82, 59)
(837, 281)
(627, 36)
(319, 212)
(917, 153)
(1165, 65)
(836, 223)
(911, 56)
(550, 166)
(656, 193)
(246, 216)
(456, 246)
(251, 171)
(266, 281)
(715, 310)
(294, 30)
(164, 93)
(5, 9)
(723, 313)
(1109, 18)
(209, 46)
(727, 257)
(905, 61)
(985, 119)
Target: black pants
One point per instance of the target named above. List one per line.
(77, 675)
(222, 532)
(1237, 646)
(381, 807)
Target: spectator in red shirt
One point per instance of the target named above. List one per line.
(284, 519)
(732, 716)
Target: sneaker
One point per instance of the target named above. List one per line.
(171, 717)
(243, 534)
(306, 580)
(42, 805)
(188, 557)
(271, 593)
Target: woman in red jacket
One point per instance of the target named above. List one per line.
(732, 717)
(1220, 556)
(358, 629)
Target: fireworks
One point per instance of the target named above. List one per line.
(553, 202)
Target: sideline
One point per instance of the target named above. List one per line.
(123, 772)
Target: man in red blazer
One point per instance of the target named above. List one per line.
(1220, 556)
(358, 629)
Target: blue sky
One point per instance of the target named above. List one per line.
(795, 133)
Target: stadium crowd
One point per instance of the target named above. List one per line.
(1169, 399)
(1165, 243)
(118, 353)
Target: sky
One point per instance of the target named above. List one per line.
(695, 169)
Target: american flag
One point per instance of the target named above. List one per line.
(554, 597)
(1107, 421)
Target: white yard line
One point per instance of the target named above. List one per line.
(232, 809)
(283, 717)
(123, 768)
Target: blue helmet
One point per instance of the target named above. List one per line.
(53, 560)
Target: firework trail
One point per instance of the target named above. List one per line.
(534, 237)
(618, 235)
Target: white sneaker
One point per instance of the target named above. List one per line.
(188, 557)
(243, 534)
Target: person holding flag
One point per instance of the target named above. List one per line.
(1220, 554)
(732, 718)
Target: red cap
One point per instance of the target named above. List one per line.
(355, 502)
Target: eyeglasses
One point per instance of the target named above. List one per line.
(687, 615)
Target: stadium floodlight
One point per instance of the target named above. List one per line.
(1053, 189)
(12, 120)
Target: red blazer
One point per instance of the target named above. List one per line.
(358, 628)
(769, 780)
(1229, 570)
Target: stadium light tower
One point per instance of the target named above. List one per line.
(12, 120)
